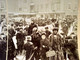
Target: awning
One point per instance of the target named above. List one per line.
(14, 13)
(51, 12)
(27, 13)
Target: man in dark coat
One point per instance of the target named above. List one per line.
(20, 41)
(11, 47)
(47, 31)
(44, 46)
(31, 26)
(3, 49)
(70, 46)
(56, 44)
(36, 37)
(28, 47)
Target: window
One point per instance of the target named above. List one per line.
(69, 6)
(46, 6)
(1, 5)
(32, 8)
(25, 1)
(20, 9)
(58, 6)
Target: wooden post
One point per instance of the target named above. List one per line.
(7, 28)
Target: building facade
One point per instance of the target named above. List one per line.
(2, 8)
(48, 8)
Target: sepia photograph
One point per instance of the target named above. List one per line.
(38, 30)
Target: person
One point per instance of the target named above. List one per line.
(20, 37)
(11, 47)
(2, 47)
(53, 22)
(65, 28)
(57, 24)
(28, 47)
(44, 46)
(31, 26)
(56, 44)
(26, 30)
(20, 41)
(71, 48)
(36, 37)
(47, 31)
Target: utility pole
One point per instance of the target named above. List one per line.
(7, 28)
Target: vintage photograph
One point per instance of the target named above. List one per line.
(38, 30)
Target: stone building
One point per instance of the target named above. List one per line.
(42, 8)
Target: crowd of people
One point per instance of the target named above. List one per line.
(3, 38)
(44, 44)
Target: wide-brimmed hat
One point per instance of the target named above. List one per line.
(35, 29)
(55, 28)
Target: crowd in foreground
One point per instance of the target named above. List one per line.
(45, 45)
(3, 38)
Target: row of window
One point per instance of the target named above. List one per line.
(2, 4)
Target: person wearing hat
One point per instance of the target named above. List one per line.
(28, 47)
(44, 46)
(20, 41)
(36, 37)
(56, 44)
(11, 47)
(31, 26)
(47, 31)
(53, 20)
(70, 48)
